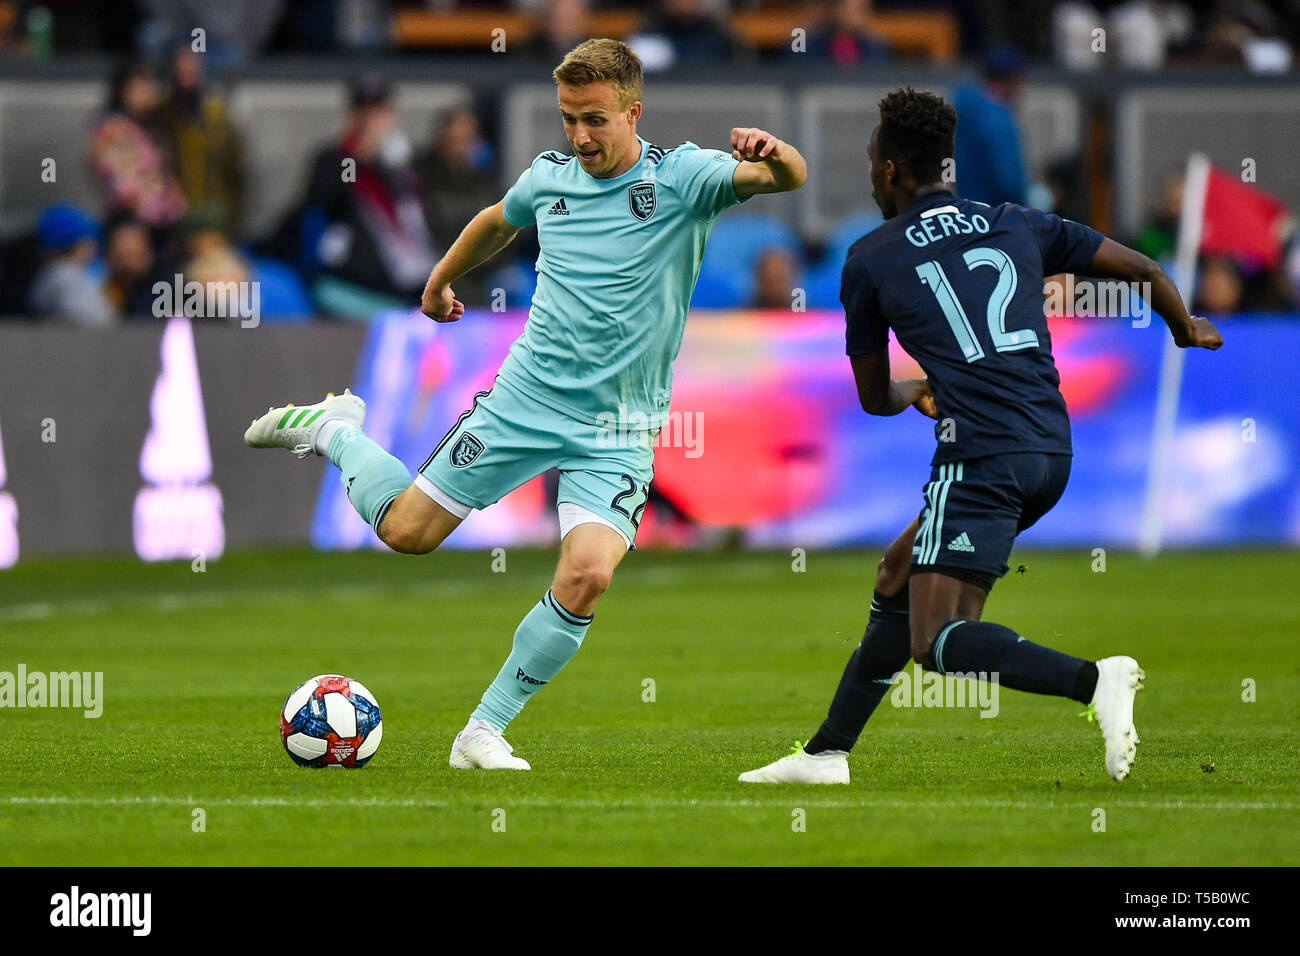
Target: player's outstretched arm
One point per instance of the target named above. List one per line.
(767, 164)
(880, 396)
(1113, 260)
(487, 234)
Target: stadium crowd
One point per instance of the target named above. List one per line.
(1259, 35)
(170, 164)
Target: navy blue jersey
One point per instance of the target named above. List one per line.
(961, 285)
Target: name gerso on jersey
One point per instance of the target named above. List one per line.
(943, 222)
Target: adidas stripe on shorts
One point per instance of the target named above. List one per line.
(974, 510)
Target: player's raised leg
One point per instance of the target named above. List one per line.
(547, 638)
(377, 484)
(948, 638)
(884, 650)
(974, 512)
(297, 428)
(415, 523)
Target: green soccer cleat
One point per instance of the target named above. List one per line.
(296, 427)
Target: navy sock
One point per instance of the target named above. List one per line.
(975, 647)
(1086, 685)
(885, 650)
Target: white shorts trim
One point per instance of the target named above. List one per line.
(572, 515)
(441, 497)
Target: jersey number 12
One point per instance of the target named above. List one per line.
(932, 275)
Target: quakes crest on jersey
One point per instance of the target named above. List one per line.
(641, 200)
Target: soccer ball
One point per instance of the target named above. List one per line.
(331, 721)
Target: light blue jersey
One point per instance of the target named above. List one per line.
(618, 263)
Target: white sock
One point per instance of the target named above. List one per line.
(327, 430)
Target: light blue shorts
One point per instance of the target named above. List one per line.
(507, 438)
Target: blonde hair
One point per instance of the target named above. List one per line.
(595, 60)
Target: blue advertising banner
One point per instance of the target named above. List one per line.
(766, 442)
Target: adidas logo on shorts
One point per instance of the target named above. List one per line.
(961, 543)
(559, 209)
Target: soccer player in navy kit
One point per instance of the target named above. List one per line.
(961, 285)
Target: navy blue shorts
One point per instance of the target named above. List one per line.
(974, 510)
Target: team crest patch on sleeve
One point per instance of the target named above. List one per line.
(465, 451)
(641, 200)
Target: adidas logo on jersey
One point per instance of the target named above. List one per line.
(961, 543)
(559, 209)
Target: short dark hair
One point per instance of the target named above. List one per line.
(916, 130)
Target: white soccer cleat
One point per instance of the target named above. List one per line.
(481, 746)
(296, 427)
(801, 767)
(1118, 681)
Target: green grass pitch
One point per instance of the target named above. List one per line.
(744, 654)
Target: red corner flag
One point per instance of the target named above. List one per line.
(1242, 221)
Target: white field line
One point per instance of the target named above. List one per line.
(790, 796)
(168, 602)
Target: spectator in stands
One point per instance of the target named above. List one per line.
(374, 245)
(1250, 35)
(1275, 291)
(211, 257)
(685, 31)
(561, 25)
(1140, 34)
(128, 159)
(12, 41)
(1289, 276)
(459, 181)
(233, 30)
(204, 146)
(989, 159)
(844, 36)
(1219, 287)
(775, 275)
(308, 26)
(128, 266)
(65, 287)
(1065, 189)
(1158, 237)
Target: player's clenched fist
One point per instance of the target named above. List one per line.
(441, 305)
(1201, 335)
(753, 145)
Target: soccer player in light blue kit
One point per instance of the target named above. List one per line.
(622, 225)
